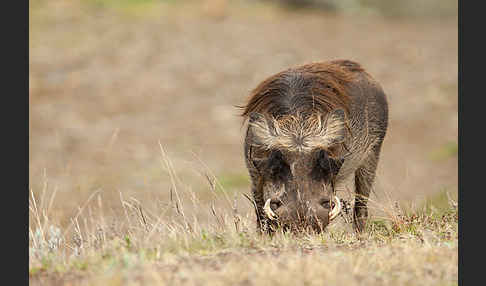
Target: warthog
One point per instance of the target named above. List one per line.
(311, 129)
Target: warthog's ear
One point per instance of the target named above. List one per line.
(335, 127)
(262, 129)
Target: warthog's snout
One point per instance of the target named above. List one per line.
(301, 214)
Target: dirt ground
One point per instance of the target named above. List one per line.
(107, 84)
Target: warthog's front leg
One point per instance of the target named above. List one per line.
(364, 177)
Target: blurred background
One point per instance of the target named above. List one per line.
(136, 98)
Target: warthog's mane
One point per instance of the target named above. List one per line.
(299, 133)
(296, 103)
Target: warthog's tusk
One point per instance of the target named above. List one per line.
(336, 210)
(268, 211)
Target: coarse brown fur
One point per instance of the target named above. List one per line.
(311, 129)
(321, 84)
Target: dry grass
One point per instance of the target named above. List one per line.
(136, 167)
(150, 247)
(157, 246)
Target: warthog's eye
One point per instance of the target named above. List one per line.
(278, 169)
(259, 157)
(325, 167)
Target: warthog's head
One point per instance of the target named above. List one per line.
(298, 158)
